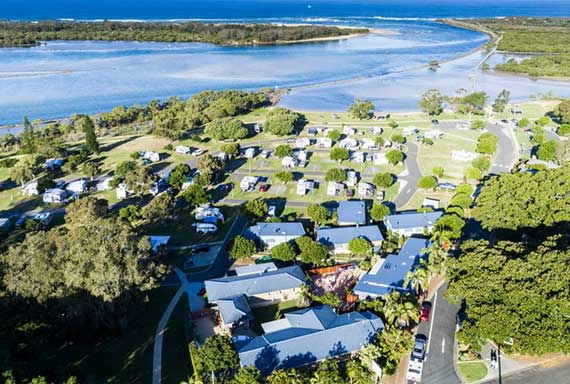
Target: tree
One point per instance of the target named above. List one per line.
(394, 156)
(524, 297)
(418, 279)
(523, 123)
(283, 150)
(478, 124)
(195, 195)
(547, 151)
(209, 167)
(125, 167)
(284, 252)
(465, 188)
(90, 168)
(24, 171)
(432, 102)
(563, 151)
(564, 130)
(462, 200)
(281, 376)
(281, 121)
(379, 211)
(427, 141)
(255, 209)
(231, 149)
(400, 309)
(216, 357)
(336, 174)
(394, 344)
(140, 180)
(339, 154)
(482, 163)
(130, 213)
(359, 246)
(487, 143)
(159, 209)
(361, 109)
(472, 103)
(334, 135)
(379, 141)
(562, 111)
(328, 298)
(284, 176)
(178, 176)
(318, 214)
(501, 101)
(427, 182)
(513, 201)
(311, 252)
(358, 372)
(449, 226)
(383, 180)
(327, 372)
(91, 142)
(438, 171)
(473, 173)
(28, 137)
(398, 138)
(226, 128)
(247, 375)
(242, 248)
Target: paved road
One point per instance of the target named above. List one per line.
(559, 374)
(440, 330)
(411, 177)
(506, 155)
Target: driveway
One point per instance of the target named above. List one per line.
(409, 178)
(440, 331)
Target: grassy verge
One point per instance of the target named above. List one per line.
(472, 371)
(176, 366)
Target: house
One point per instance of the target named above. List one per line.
(348, 143)
(261, 288)
(307, 336)
(54, 196)
(376, 130)
(411, 130)
(78, 187)
(349, 131)
(351, 212)
(461, 155)
(305, 186)
(150, 156)
(434, 134)
(31, 189)
(249, 153)
(234, 311)
(351, 178)
(289, 162)
(324, 142)
(248, 183)
(388, 274)
(302, 142)
(337, 239)
(123, 191)
(380, 159)
(272, 234)
(367, 144)
(158, 242)
(183, 149)
(366, 190)
(334, 188)
(358, 157)
(53, 164)
(412, 223)
(104, 184)
(431, 203)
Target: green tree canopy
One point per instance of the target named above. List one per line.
(283, 150)
(361, 109)
(312, 252)
(487, 143)
(562, 111)
(196, 195)
(284, 176)
(398, 138)
(281, 121)
(501, 101)
(334, 134)
(318, 214)
(218, 356)
(284, 252)
(432, 102)
(91, 142)
(255, 209)
(226, 128)
(159, 209)
(394, 156)
(242, 248)
(359, 246)
(427, 182)
(379, 211)
(231, 149)
(339, 154)
(336, 174)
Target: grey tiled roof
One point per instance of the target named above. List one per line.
(353, 211)
(234, 309)
(343, 235)
(412, 220)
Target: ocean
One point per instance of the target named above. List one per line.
(60, 78)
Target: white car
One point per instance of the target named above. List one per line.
(271, 211)
(264, 154)
(205, 227)
(198, 152)
(416, 364)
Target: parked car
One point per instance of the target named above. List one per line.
(271, 211)
(419, 350)
(197, 152)
(199, 248)
(415, 365)
(205, 227)
(263, 187)
(426, 308)
(435, 122)
(264, 154)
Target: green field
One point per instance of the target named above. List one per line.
(472, 371)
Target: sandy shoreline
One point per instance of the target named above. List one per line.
(13, 74)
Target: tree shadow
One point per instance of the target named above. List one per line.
(267, 360)
(111, 146)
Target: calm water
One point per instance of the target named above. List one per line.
(61, 78)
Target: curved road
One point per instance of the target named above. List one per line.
(410, 178)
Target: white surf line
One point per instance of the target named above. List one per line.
(432, 321)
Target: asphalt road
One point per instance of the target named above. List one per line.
(413, 176)
(506, 155)
(559, 374)
(440, 331)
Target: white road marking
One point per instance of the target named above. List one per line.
(432, 321)
(443, 345)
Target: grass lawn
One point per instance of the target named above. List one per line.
(472, 371)
(418, 198)
(176, 365)
(270, 313)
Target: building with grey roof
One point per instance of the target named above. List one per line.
(337, 239)
(351, 212)
(272, 234)
(255, 269)
(234, 310)
(412, 223)
(388, 274)
(307, 336)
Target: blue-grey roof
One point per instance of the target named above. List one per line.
(388, 274)
(343, 235)
(234, 309)
(276, 229)
(313, 334)
(353, 211)
(255, 269)
(254, 284)
(412, 220)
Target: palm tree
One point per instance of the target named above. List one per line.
(399, 310)
(418, 278)
(282, 376)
